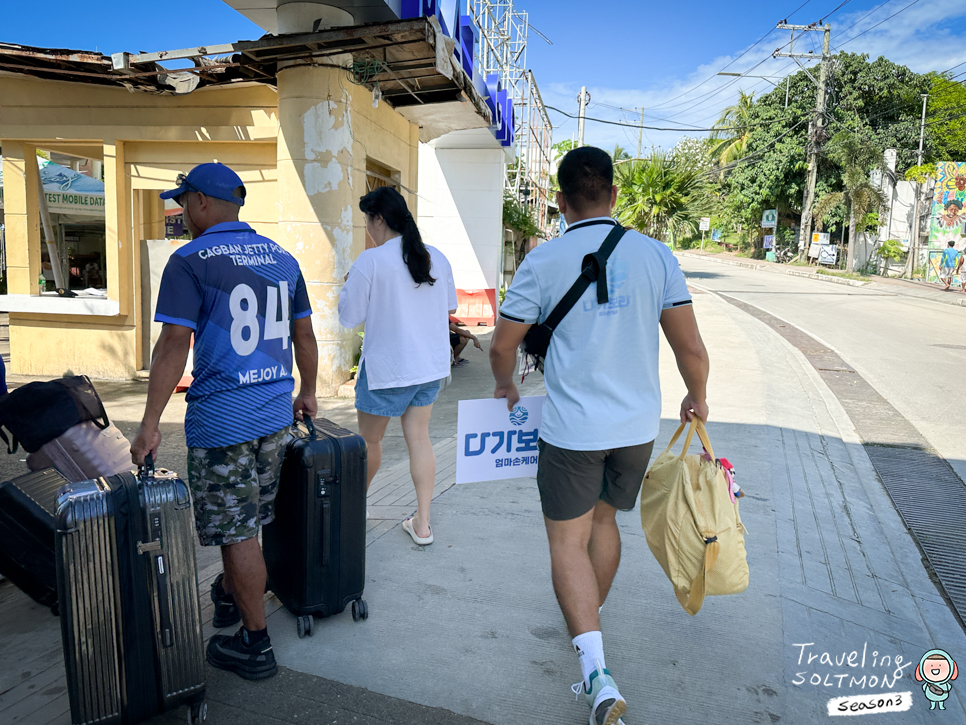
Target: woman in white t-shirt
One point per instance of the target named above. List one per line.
(403, 291)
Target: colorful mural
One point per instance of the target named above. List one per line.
(948, 222)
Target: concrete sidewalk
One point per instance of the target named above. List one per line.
(468, 629)
(917, 289)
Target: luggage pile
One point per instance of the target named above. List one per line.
(112, 550)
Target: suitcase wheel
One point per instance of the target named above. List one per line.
(198, 713)
(359, 610)
(303, 625)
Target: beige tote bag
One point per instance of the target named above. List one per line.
(692, 524)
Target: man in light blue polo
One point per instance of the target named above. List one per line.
(603, 402)
(243, 298)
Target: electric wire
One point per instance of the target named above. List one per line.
(660, 128)
(855, 37)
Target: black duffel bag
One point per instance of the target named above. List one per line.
(36, 413)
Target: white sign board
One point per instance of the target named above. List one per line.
(820, 238)
(705, 224)
(828, 254)
(493, 443)
(769, 219)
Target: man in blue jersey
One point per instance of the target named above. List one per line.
(244, 300)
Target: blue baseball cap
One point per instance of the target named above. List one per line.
(215, 180)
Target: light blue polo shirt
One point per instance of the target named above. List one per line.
(601, 370)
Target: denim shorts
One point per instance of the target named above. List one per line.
(392, 402)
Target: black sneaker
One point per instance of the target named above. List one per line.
(253, 662)
(226, 611)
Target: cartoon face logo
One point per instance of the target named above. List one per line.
(961, 182)
(936, 671)
(519, 415)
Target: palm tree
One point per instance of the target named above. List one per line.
(663, 196)
(857, 156)
(733, 137)
(619, 153)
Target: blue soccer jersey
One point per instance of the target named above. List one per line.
(240, 293)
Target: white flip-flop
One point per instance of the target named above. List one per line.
(420, 540)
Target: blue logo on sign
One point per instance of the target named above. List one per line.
(518, 416)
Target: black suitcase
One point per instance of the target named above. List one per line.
(28, 508)
(128, 587)
(315, 549)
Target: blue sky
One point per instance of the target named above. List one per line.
(628, 53)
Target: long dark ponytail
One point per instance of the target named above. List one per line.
(389, 204)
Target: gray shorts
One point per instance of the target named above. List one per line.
(572, 482)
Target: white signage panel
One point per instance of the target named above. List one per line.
(493, 443)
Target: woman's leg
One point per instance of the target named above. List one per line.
(422, 462)
(372, 428)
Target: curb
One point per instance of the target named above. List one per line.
(732, 262)
(769, 268)
(952, 301)
(824, 278)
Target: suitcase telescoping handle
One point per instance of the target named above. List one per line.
(146, 469)
(307, 422)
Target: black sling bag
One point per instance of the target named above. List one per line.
(594, 269)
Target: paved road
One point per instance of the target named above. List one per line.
(912, 351)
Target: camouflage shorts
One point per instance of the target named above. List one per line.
(234, 488)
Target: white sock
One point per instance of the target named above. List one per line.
(589, 646)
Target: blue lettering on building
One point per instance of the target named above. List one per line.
(463, 30)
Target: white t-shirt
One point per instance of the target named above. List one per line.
(601, 370)
(407, 325)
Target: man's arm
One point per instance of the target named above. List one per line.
(307, 361)
(465, 333)
(507, 337)
(681, 331)
(167, 367)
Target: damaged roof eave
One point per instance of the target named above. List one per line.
(417, 72)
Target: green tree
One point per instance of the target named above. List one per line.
(857, 155)
(946, 119)
(663, 196)
(619, 153)
(732, 139)
(879, 99)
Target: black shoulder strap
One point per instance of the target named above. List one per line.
(594, 269)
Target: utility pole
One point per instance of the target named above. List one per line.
(640, 134)
(916, 223)
(583, 99)
(816, 129)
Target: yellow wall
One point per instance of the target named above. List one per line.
(145, 141)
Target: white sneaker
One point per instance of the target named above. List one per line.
(606, 703)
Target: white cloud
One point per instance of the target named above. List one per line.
(924, 38)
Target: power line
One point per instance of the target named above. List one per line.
(854, 37)
(874, 10)
(658, 128)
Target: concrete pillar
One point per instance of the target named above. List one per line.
(318, 201)
(21, 217)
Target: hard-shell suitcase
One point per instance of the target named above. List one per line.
(128, 587)
(315, 549)
(28, 507)
(85, 451)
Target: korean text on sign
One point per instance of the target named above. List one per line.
(494, 443)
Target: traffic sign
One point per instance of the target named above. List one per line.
(705, 223)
